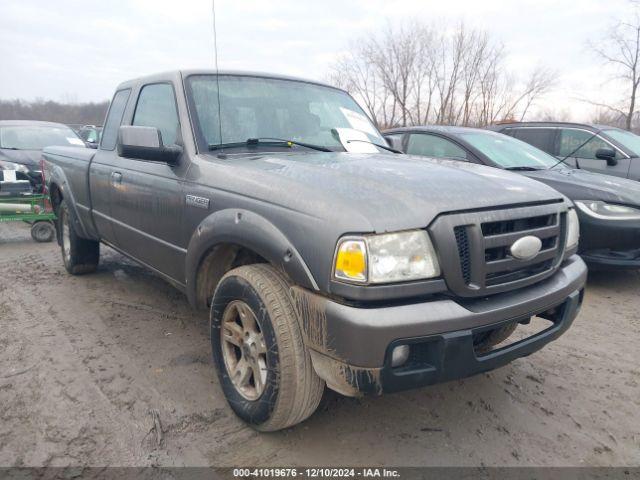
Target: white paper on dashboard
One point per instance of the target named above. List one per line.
(75, 141)
(358, 121)
(9, 175)
(356, 146)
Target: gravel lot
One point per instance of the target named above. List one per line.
(87, 363)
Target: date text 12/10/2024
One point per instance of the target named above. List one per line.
(316, 472)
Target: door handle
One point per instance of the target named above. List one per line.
(116, 179)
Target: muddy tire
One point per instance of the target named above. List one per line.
(263, 365)
(43, 232)
(79, 255)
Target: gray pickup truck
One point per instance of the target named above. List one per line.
(322, 257)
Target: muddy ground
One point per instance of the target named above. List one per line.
(86, 363)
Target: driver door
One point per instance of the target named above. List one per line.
(147, 202)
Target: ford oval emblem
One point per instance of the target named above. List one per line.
(526, 248)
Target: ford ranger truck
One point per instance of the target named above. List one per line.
(323, 257)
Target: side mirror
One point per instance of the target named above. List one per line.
(145, 143)
(608, 154)
(93, 145)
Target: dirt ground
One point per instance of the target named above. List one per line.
(87, 363)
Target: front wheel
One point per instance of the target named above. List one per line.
(79, 255)
(263, 365)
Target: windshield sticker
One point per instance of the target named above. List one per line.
(355, 141)
(358, 121)
(75, 141)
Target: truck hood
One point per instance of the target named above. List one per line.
(584, 185)
(29, 158)
(392, 192)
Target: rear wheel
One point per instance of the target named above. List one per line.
(79, 255)
(263, 365)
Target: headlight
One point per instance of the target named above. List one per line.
(13, 166)
(386, 258)
(573, 229)
(607, 211)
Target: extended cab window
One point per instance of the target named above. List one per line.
(432, 146)
(114, 118)
(571, 139)
(157, 108)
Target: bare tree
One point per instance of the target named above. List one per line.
(607, 116)
(540, 81)
(553, 115)
(353, 73)
(415, 74)
(81, 113)
(621, 50)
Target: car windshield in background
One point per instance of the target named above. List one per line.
(508, 152)
(37, 137)
(262, 108)
(629, 140)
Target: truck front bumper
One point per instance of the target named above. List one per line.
(351, 346)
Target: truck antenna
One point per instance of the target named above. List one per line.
(215, 62)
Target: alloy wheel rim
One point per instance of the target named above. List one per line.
(244, 350)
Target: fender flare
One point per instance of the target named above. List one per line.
(58, 180)
(249, 230)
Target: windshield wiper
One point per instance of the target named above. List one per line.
(384, 147)
(523, 169)
(267, 141)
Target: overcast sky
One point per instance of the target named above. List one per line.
(79, 51)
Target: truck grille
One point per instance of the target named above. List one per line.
(475, 247)
(462, 240)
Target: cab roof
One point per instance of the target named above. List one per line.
(178, 75)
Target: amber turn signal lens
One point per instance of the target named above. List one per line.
(351, 261)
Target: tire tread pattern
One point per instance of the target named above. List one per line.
(300, 389)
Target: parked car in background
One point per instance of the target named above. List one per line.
(598, 148)
(322, 257)
(608, 207)
(21, 144)
(91, 135)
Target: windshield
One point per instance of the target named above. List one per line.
(30, 137)
(627, 139)
(507, 152)
(255, 107)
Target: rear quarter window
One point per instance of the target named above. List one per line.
(114, 119)
(542, 138)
